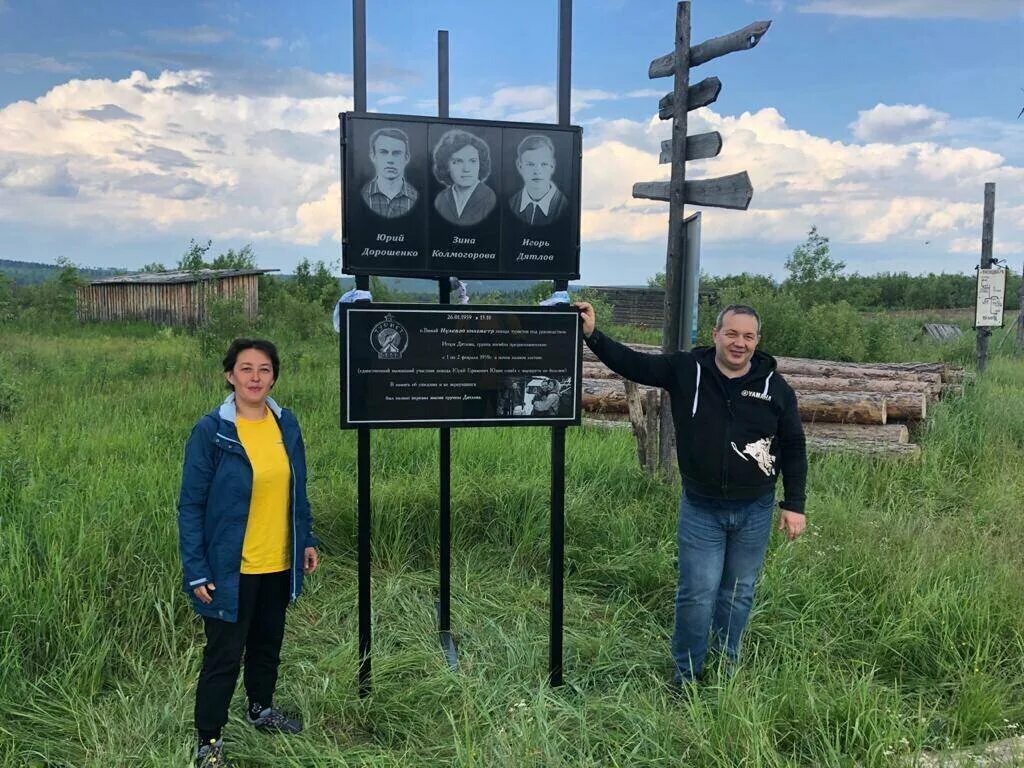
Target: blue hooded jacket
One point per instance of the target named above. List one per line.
(213, 507)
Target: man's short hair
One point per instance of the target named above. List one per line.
(391, 133)
(738, 309)
(536, 141)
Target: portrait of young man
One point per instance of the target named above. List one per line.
(539, 201)
(388, 194)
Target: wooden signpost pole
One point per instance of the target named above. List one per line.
(1020, 314)
(733, 191)
(987, 226)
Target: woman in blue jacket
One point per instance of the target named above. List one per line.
(246, 540)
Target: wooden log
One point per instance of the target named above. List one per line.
(803, 367)
(698, 147)
(598, 370)
(893, 433)
(859, 384)
(697, 95)
(595, 369)
(740, 40)
(733, 191)
(606, 396)
(637, 421)
(949, 373)
(906, 406)
(590, 421)
(883, 448)
(652, 421)
(609, 395)
(843, 407)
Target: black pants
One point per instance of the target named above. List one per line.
(259, 631)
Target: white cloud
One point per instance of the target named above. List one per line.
(856, 193)
(199, 35)
(898, 122)
(915, 9)
(169, 153)
(19, 63)
(187, 154)
(272, 43)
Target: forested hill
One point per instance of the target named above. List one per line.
(32, 272)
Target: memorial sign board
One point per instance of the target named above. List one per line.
(408, 365)
(426, 197)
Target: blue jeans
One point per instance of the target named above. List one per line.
(721, 550)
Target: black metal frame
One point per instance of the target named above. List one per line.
(557, 532)
(508, 421)
(492, 274)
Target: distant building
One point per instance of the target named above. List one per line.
(177, 298)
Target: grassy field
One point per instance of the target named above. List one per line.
(894, 624)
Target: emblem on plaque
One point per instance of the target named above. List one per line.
(389, 338)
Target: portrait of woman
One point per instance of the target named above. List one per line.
(462, 162)
(246, 541)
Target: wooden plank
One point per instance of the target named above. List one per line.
(697, 95)
(733, 191)
(740, 40)
(698, 147)
(652, 190)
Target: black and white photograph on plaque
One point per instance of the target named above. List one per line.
(539, 200)
(540, 210)
(385, 209)
(389, 194)
(535, 396)
(428, 197)
(462, 165)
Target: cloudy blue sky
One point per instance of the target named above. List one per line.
(128, 128)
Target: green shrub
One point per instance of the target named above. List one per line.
(225, 321)
(10, 399)
(833, 332)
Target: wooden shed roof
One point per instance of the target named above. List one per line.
(178, 276)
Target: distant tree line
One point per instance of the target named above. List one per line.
(815, 277)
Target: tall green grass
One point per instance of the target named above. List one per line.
(893, 624)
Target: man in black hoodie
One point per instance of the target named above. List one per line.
(737, 427)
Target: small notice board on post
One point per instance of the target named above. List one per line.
(988, 312)
(408, 365)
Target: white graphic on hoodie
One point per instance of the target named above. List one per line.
(761, 452)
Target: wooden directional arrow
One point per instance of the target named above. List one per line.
(698, 147)
(740, 40)
(732, 191)
(700, 95)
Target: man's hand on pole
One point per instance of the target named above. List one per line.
(588, 316)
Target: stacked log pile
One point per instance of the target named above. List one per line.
(851, 407)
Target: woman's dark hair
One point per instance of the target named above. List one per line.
(452, 142)
(240, 345)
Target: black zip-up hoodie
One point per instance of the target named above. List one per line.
(731, 440)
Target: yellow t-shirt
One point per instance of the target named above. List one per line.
(266, 534)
